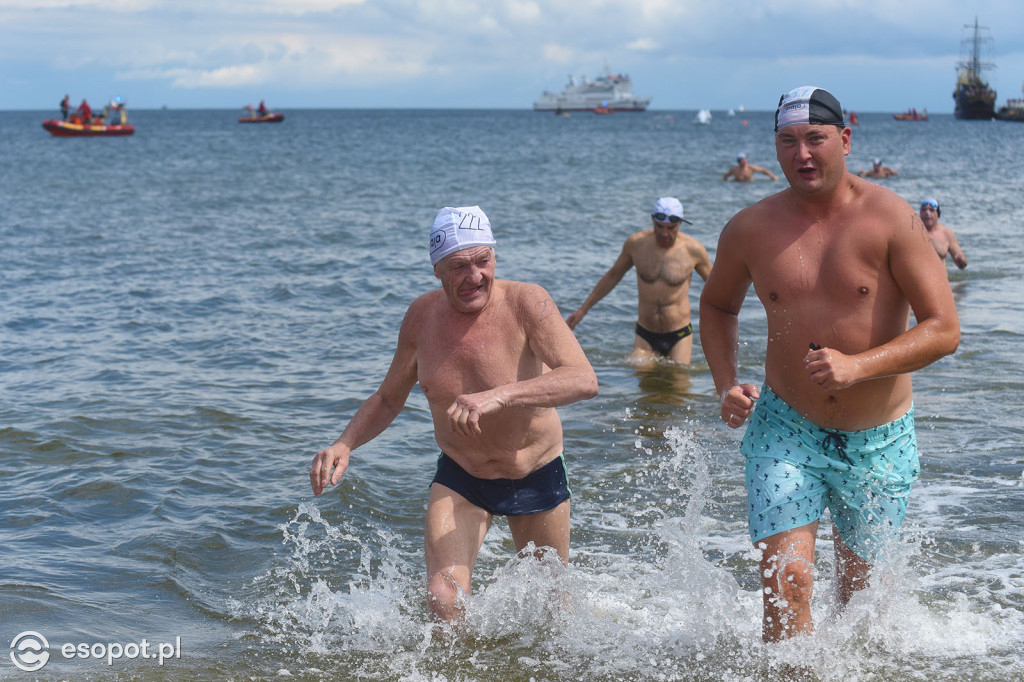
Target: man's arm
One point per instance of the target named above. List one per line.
(570, 377)
(765, 171)
(923, 281)
(720, 303)
(702, 261)
(373, 416)
(604, 285)
(955, 251)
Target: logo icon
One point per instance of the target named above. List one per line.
(30, 651)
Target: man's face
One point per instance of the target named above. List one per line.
(929, 215)
(467, 278)
(813, 157)
(665, 231)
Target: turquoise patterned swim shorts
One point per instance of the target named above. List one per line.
(795, 469)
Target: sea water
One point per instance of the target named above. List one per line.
(189, 314)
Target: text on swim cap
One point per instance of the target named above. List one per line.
(436, 240)
(474, 222)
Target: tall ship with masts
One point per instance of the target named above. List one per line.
(974, 98)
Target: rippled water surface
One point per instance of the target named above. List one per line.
(190, 313)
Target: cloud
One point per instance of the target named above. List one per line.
(511, 48)
(246, 7)
(311, 60)
(558, 54)
(643, 45)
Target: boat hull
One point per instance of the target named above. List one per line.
(1010, 114)
(639, 107)
(972, 107)
(269, 118)
(68, 129)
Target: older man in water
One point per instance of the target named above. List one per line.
(943, 239)
(744, 171)
(878, 170)
(494, 359)
(838, 264)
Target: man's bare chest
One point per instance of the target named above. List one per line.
(673, 269)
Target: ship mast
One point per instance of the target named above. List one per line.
(974, 65)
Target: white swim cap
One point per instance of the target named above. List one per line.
(808, 105)
(456, 229)
(669, 207)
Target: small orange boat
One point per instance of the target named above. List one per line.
(912, 115)
(266, 118)
(83, 124)
(59, 128)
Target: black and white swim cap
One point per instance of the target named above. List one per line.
(808, 105)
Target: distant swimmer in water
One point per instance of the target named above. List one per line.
(878, 170)
(838, 264)
(744, 171)
(942, 238)
(665, 259)
(494, 359)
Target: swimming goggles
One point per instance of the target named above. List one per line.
(665, 218)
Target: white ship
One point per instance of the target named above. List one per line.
(610, 92)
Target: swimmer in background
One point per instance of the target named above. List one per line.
(494, 359)
(744, 171)
(665, 259)
(878, 170)
(838, 264)
(942, 238)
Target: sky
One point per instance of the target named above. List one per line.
(874, 55)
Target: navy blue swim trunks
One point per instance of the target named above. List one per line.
(541, 490)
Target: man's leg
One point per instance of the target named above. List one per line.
(642, 351)
(852, 572)
(545, 529)
(787, 579)
(682, 351)
(453, 533)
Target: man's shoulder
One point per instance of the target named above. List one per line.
(424, 303)
(518, 291)
(873, 196)
(689, 243)
(764, 209)
(639, 237)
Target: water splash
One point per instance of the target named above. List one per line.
(665, 608)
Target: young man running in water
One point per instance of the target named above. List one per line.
(838, 264)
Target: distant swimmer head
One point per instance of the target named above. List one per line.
(934, 204)
(456, 229)
(669, 210)
(877, 162)
(740, 156)
(808, 105)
